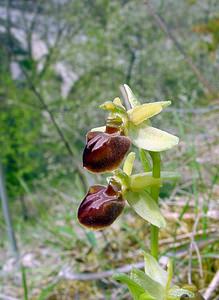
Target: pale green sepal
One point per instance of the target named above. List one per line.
(144, 179)
(154, 270)
(131, 97)
(152, 287)
(101, 129)
(141, 181)
(135, 289)
(128, 164)
(165, 175)
(151, 139)
(141, 113)
(145, 206)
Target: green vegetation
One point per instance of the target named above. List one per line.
(59, 60)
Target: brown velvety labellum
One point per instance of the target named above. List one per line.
(101, 207)
(104, 152)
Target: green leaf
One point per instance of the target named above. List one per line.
(91, 238)
(131, 97)
(166, 175)
(143, 112)
(175, 293)
(153, 288)
(145, 206)
(145, 296)
(169, 275)
(154, 270)
(24, 282)
(135, 289)
(150, 138)
(141, 181)
(46, 291)
(145, 160)
(128, 164)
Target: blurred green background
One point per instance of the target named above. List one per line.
(59, 60)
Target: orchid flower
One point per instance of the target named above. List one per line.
(136, 122)
(102, 205)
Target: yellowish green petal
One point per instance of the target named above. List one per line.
(117, 101)
(140, 113)
(128, 164)
(112, 107)
(152, 139)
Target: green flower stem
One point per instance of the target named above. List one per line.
(155, 190)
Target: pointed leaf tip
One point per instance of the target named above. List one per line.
(154, 270)
(153, 288)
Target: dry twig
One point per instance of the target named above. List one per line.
(212, 287)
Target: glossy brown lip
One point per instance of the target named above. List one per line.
(100, 207)
(104, 152)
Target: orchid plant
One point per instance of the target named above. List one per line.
(106, 148)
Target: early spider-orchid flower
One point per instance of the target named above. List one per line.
(104, 151)
(101, 206)
(136, 122)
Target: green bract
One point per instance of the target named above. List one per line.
(134, 189)
(154, 283)
(145, 206)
